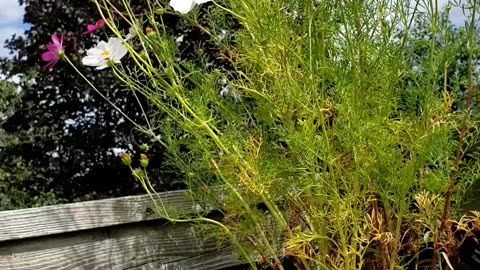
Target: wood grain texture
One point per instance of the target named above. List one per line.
(49, 220)
(147, 245)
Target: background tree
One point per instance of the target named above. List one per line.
(74, 135)
(15, 175)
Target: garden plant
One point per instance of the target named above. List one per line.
(326, 140)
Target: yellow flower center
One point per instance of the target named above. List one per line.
(106, 53)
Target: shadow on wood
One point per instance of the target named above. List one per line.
(118, 233)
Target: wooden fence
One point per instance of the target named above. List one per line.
(121, 233)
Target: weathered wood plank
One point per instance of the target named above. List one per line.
(147, 245)
(34, 222)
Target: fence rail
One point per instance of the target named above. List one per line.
(120, 233)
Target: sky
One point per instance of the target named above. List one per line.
(11, 22)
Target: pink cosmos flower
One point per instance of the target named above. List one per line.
(55, 52)
(94, 27)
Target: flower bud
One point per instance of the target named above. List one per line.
(149, 31)
(126, 159)
(144, 55)
(144, 148)
(138, 174)
(160, 11)
(143, 160)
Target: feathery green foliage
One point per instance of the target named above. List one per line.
(332, 144)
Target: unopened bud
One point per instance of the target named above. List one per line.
(144, 148)
(138, 174)
(144, 55)
(143, 160)
(160, 11)
(126, 159)
(149, 31)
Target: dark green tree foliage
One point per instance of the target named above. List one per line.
(71, 130)
(15, 175)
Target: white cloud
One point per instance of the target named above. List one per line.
(457, 16)
(10, 12)
(15, 78)
(11, 22)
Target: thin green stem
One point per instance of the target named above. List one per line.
(105, 98)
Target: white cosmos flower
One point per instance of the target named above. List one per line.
(184, 6)
(104, 52)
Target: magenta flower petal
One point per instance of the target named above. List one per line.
(54, 52)
(90, 29)
(94, 27)
(100, 23)
(50, 65)
(52, 47)
(55, 40)
(48, 56)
